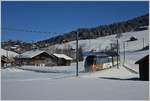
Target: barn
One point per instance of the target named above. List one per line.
(62, 59)
(36, 57)
(143, 68)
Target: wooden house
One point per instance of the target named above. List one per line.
(7, 62)
(143, 68)
(7, 58)
(4, 61)
(62, 59)
(36, 57)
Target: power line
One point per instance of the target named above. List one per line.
(28, 31)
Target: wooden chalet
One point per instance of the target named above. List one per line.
(42, 58)
(36, 57)
(62, 59)
(4, 61)
(143, 68)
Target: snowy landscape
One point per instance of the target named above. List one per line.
(74, 50)
(60, 82)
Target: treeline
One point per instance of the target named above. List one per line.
(100, 31)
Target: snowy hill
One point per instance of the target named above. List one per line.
(104, 42)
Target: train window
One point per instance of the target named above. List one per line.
(97, 60)
(105, 60)
(90, 60)
(109, 59)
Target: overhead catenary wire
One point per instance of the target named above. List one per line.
(52, 34)
(25, 30)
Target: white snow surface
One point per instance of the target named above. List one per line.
(75, 89)
(32, 53)
(63, 85)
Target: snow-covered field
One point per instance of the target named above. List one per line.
(75, 89)
(60, 83)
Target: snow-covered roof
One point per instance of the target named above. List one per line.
(145, 58)
(99, 54)
(9, 54)
(31, 54)
(63, 56)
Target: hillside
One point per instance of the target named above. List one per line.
(103, 43)
(99, 31)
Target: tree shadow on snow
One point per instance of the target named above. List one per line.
(132, 79)
(41, 71)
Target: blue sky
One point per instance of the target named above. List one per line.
(62, 17)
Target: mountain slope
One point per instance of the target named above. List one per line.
(99, 31)
(103, 43)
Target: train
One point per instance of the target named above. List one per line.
(101, 61)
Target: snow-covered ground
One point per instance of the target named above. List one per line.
(110, 84)
(29, 73)
(75, 89)
(59, 82)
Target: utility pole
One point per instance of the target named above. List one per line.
(124, 52)
(7, 58)
(117, 54)
(77, 54)
(89, 44)
(143, 43)
(111, 45)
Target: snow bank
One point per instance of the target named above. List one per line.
(12, 70)
(54, 69)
